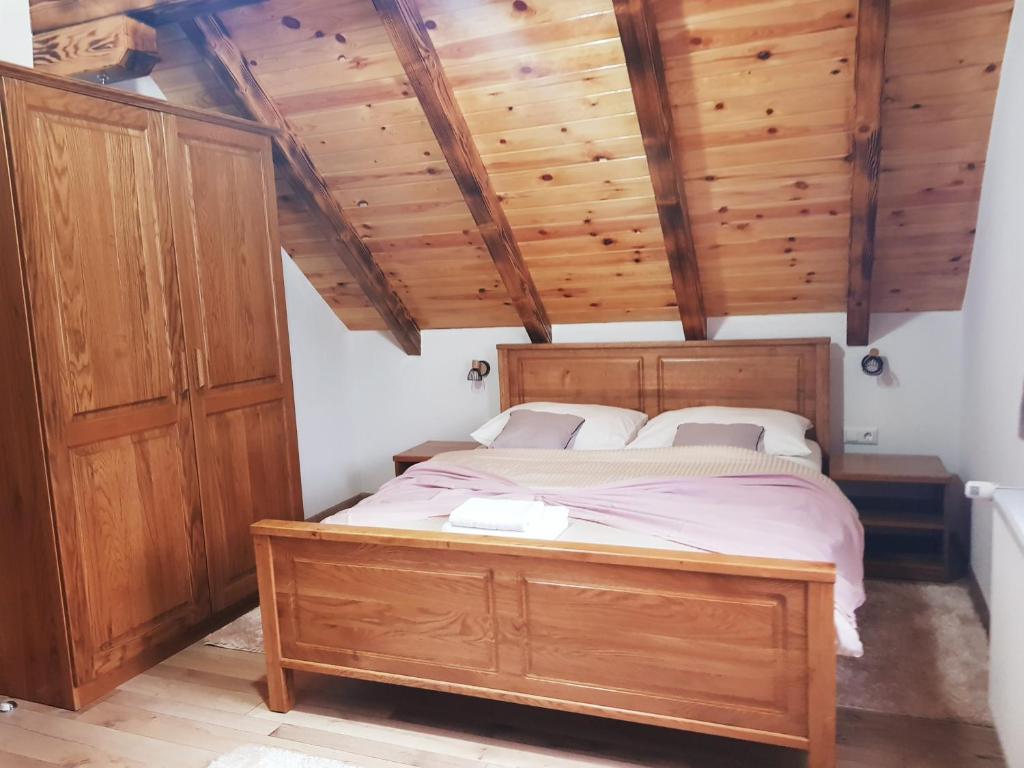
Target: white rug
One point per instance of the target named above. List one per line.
(925, 653)
(254, 756)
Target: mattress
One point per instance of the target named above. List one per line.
(813, 461)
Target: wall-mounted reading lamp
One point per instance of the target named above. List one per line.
(478, 370)
(873, 364)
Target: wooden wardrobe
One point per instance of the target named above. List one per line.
(146, 408)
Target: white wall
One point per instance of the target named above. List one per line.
(994, 309)
(405, 400)
(144, 86)
(15, 32)
(402, 400)
(326, 408)
(915, 406)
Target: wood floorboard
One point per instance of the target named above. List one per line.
(206, 701)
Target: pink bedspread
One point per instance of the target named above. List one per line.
(761, 515)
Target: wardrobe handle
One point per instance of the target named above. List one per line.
(200, 368)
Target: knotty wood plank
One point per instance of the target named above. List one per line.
(867, 156)
(405, 28)
(211, 38)
(54, 14)
(111, 49)
(762, 104)
(653, 109)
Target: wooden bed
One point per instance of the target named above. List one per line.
(732, 646)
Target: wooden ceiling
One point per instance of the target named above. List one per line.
(490, 156)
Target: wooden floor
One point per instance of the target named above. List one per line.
(206, 701)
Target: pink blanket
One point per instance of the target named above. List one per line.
(779, 516)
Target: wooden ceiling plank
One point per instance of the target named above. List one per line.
(873, 22)
(55, 14)
(654, 114)
(108, 50)
(231, 67)
(426, 75)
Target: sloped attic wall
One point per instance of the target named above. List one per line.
(762, 93)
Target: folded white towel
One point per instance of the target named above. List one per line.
(549, 523)
(496, 514)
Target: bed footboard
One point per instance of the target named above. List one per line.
(730, 646)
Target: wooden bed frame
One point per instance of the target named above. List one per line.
(731, 646)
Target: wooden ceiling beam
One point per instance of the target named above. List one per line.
(55, 14)
(872, 28)
(109, 50)
(664, 160)
(219, 50)
(426, 75)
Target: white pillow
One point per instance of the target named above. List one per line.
(784, 432)
(604, 427)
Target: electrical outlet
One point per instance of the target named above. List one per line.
(860, 435)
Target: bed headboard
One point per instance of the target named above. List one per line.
(789, 374)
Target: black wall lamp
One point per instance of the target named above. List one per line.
(478, 370)
(873, 364)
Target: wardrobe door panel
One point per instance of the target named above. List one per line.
(131, 545)
(225, 223)
(247, 485)
(234, 276)
(91, 180)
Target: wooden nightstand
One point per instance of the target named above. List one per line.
(913, 511)
(429, 450)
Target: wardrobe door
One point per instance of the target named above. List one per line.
(95, 216)
(225, 224)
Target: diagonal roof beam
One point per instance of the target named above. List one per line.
(423, 68)
(654, 113)
(231, 67)
(872, 26)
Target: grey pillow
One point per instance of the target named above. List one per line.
(732, 435)
(537, 429)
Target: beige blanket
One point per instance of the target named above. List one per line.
(581, 469)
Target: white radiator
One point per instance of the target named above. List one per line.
(1006, 678)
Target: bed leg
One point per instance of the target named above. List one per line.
(822, 754)
(280, 682)
(821, 682)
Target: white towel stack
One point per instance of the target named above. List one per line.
(507, 517)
